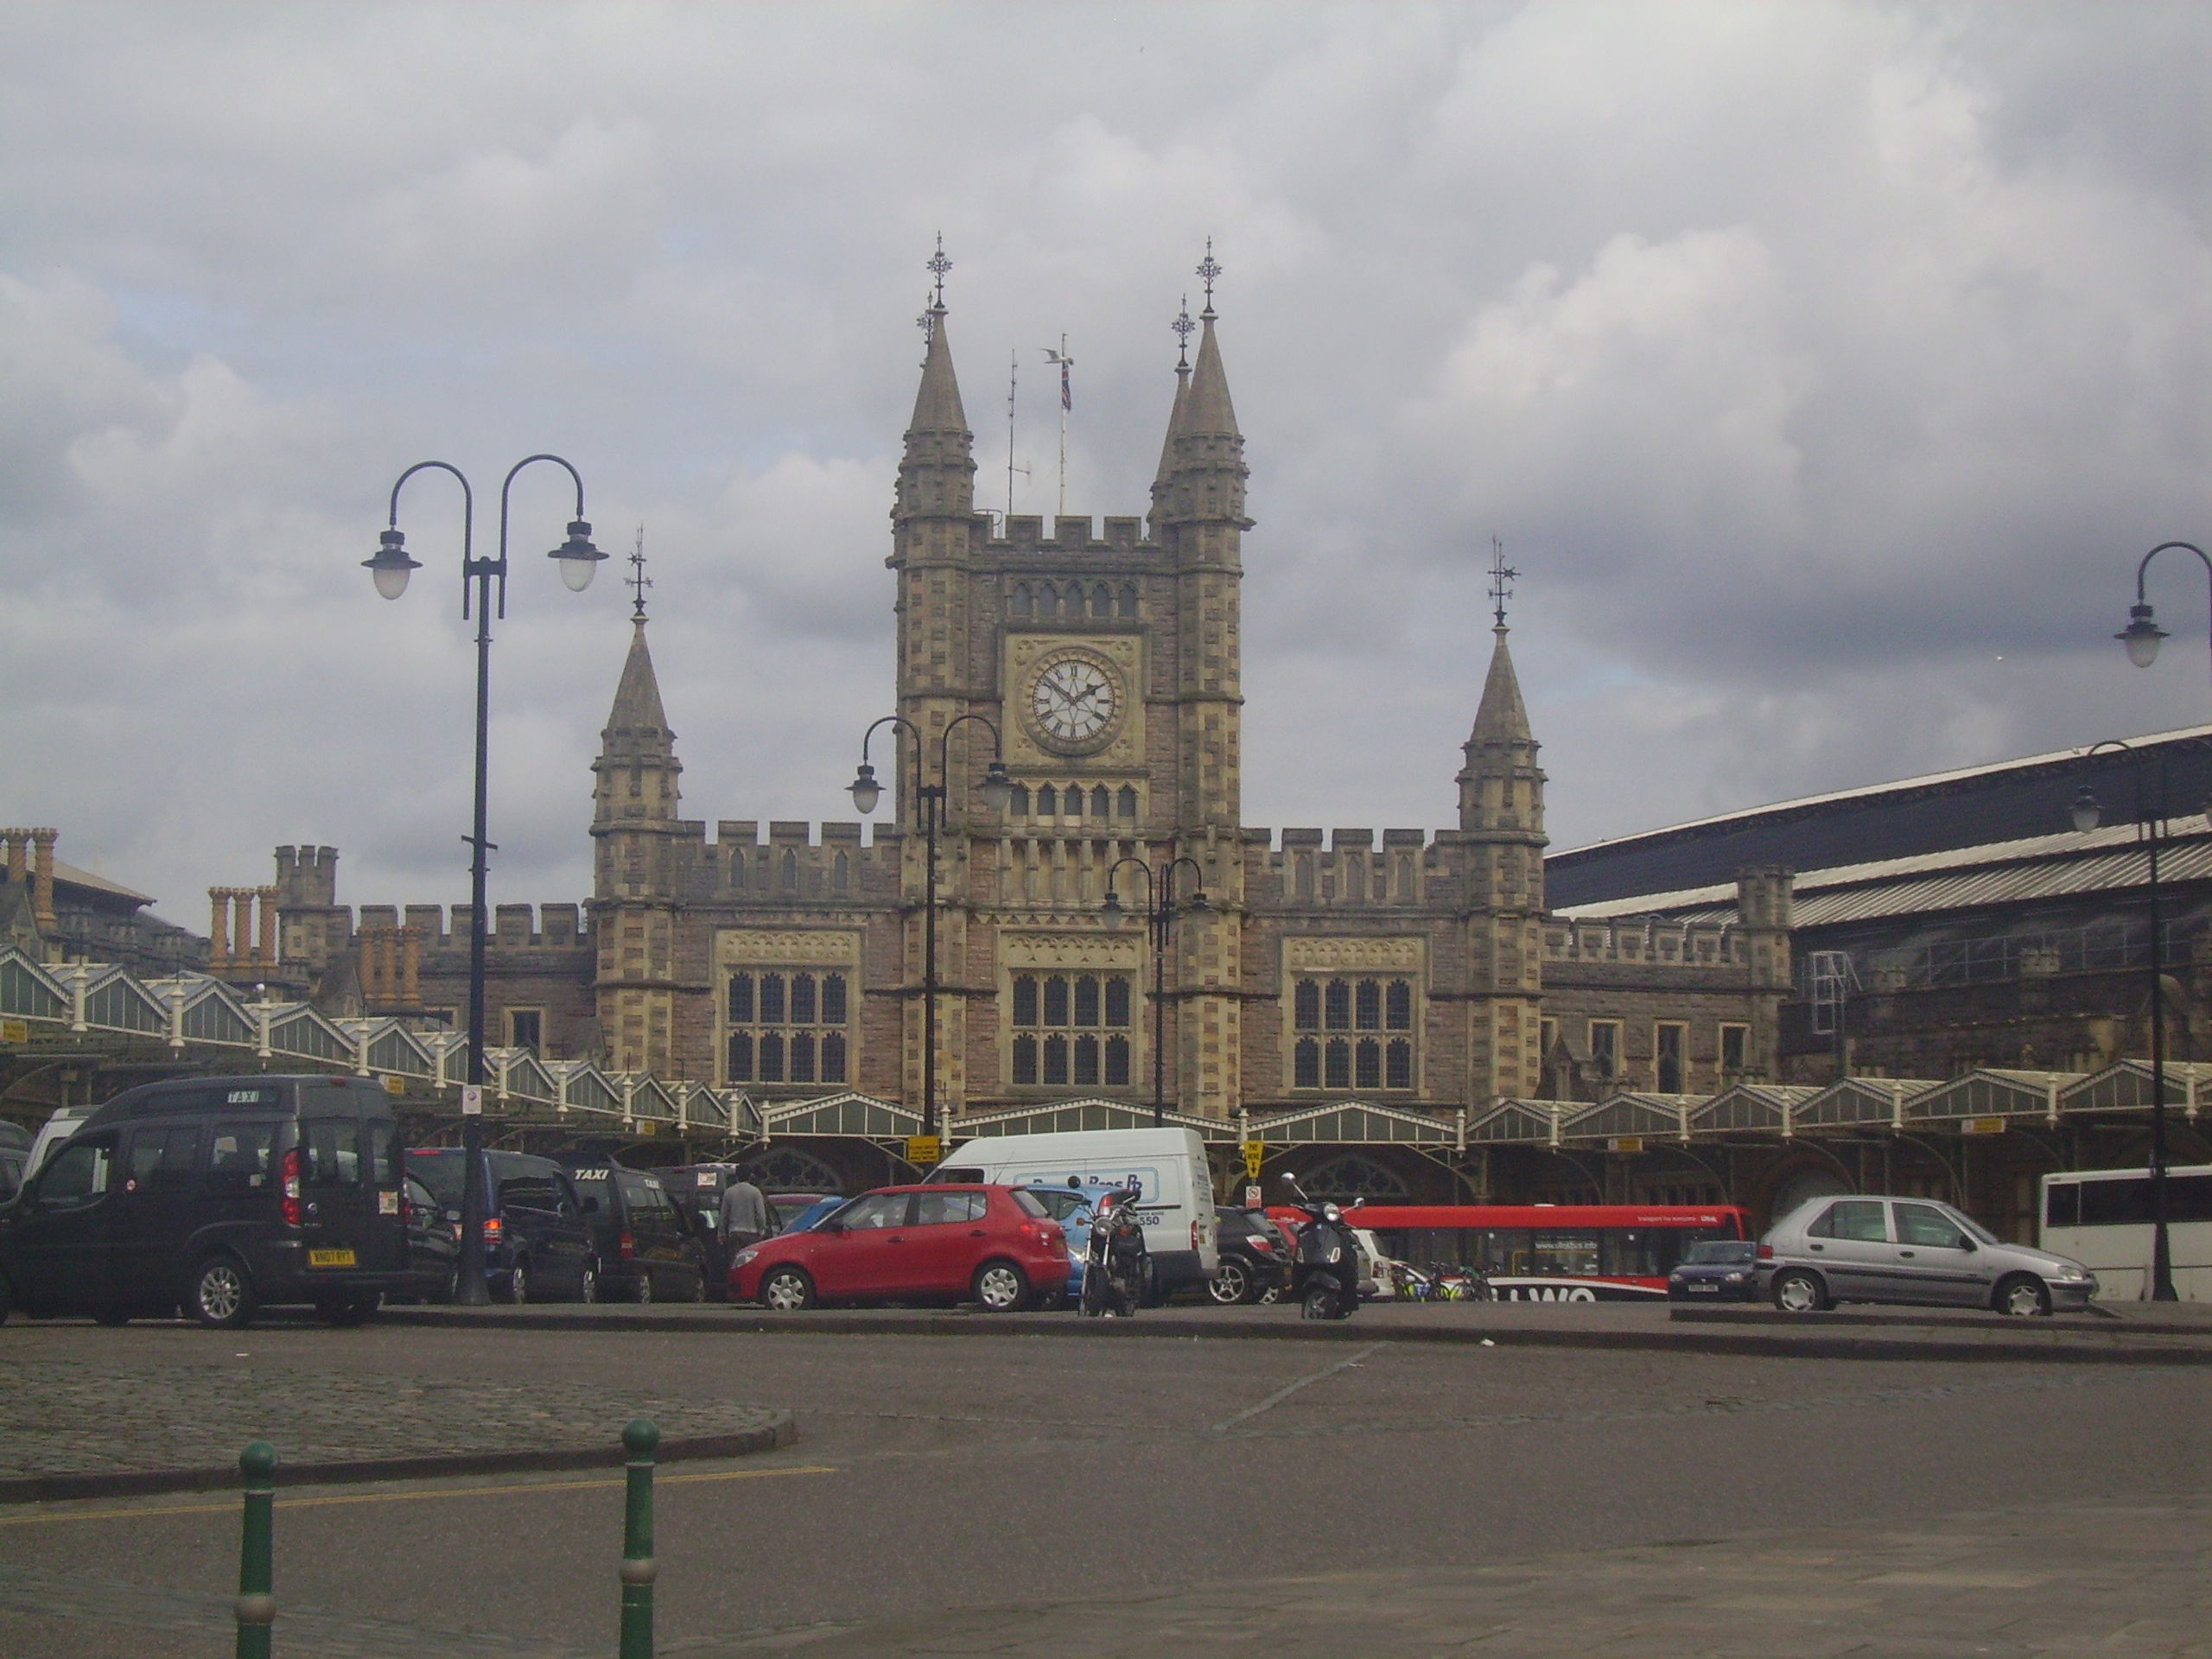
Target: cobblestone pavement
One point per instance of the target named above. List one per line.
(2065, 1580)
(2069, 1580)
(71, 1417)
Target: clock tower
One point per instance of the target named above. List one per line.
(1106, 653)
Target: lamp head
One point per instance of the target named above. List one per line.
(1111, 912)
(579, 560)
(1197, 901)
(996, 789)
(2086, 811)
(2140, 636)
(391, 567)
(866, 792)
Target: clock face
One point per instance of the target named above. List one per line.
(1072, 700)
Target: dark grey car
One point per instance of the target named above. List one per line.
(1904, 1250)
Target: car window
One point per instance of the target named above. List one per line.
(332, 1153)
(1034, 1203)
(1056, 1202)
(1719, 1251)
(441, 1171)
(946, 1174)
(384, 1153)
(162, 1158)
(878, 1209)
(76, 1176)
(1852, 1218)
(420, 1196)
(11, 1174)
(943, 1209)
(1923, 1224)
(533, 1190)
(239, 1156)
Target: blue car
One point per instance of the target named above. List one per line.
(1073, 1211)
(814, 1215)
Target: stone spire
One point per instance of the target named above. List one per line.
(1201, 467)
(637, 766)
(1501, 789)
(938, 474)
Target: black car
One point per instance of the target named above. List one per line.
(646, 1252)
(1254, 1256)
(697, 1191)
(538, 1241)
(1716, 1270)
(223, 1195)
(15, 1152)
(433, 1246)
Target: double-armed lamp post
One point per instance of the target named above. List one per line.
(2142, 636)
(1161, 908)
(579, 560)
(996, 790)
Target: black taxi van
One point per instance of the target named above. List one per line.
(218, 1195)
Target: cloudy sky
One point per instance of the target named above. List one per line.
(1824, 370)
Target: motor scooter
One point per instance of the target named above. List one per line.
(1324, 1268)
(1116, 1266)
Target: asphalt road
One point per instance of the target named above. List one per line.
(948, 1472)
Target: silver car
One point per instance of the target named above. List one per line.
(1877, 1249)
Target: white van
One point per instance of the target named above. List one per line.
(1170, 1167)
(64, 1122)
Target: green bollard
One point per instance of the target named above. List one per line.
(257, 1602)
(640, 1439)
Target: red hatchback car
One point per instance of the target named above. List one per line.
(995, 1245)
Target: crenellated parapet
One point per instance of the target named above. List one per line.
(1344, 867)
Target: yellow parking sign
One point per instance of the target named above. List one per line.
(924, 1150)
(1255, 1152)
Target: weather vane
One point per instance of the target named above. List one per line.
(938, 264)
(1501, 580)
(638, 581)
(1183, 328)
(1209, 268)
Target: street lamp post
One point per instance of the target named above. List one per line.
(2152, 819)
(391, 568)
(1160, 909)
(996, 790)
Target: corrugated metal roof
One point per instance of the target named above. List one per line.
(2106, 859)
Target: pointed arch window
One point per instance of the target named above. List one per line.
(1129, 801)
(1101, 601)
(736, 867)
(1071, 802)
(1101, 806)
(1367, 1068)
(1128, 601)
(802, 1058)
(1367, 1005)
(1022, 603)
(840, 872)
(1017, 805)
(1305, 1071)
(1337, 1070)
(1048, 601)
(771, 1058)
(1048, 802)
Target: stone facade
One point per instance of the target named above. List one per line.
(1100, 661)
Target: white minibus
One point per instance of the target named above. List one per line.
(2101, 1217)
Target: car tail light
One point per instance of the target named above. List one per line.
(287, 1174)
(625, 1246)
(406, 1211)
(1195, 1244)
(1766, 1252)
(494, 1230)
(1046, 1233)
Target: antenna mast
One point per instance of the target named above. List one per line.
(1013, 378)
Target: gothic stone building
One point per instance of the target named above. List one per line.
(1100, 661)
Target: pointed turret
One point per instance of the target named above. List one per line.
(637, 766)
(938, 472)
(1501, 789)
(1201, 470)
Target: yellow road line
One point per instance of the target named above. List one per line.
(284, 1502)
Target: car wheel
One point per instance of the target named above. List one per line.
(1799, 1291)
(643, 1291)
(787, 1290)
(588, 1286)
(1001, 1287)
(2023, 1296)
(222, 1295)
(517, 1285)
(1231, 1282)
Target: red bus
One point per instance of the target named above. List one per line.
(1552, 1253)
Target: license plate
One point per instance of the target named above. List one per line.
(1705, 1290)
(330, 1258)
